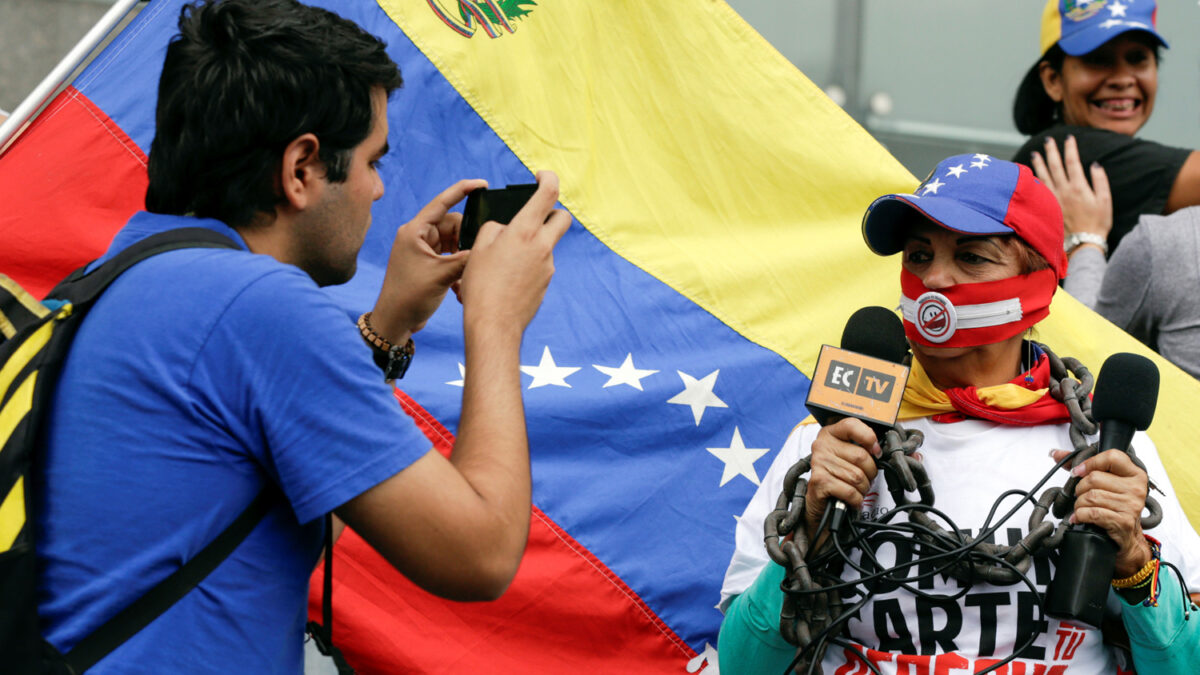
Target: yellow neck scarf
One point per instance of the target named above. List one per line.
(922, 398)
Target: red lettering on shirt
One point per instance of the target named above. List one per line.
(944, 663)
(913, 664)
(1069, 640)
(982, 664)
(852, 661)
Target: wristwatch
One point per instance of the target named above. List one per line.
(1074, 239)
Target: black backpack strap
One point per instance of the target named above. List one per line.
(114, 632)
(80, 287)
(322, 635)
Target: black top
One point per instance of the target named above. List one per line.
(1140, 172)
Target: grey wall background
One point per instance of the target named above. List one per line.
(942, 73)
(34, 36)
(950, 68)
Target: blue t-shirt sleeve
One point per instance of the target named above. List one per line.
(286, 372)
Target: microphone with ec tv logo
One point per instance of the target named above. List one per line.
(864, 379)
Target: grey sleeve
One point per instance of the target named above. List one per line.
(1123, 294)
(1085, 274)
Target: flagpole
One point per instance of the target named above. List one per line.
(57, 77)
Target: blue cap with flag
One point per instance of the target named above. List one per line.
(1079, 26)
(973, 194)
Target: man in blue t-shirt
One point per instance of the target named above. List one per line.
(202, 376)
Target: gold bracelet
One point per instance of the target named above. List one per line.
(1147, 570)
(1140, 576)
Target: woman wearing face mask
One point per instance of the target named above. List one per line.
(1095, 86)
(979, 234)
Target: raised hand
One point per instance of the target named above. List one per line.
(1086, 207)
(418, 274)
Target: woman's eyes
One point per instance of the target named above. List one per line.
(1100, 60)
(1137, 58)
(923, 257)
(918, 256)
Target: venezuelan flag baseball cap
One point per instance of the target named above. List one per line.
(973, 194)
(1079, 26)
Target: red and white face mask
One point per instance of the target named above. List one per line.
(970, 315)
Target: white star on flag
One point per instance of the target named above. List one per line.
(956, 171)
(462, 377)
(698, 394)
(1117, 9)
(739, 460)
(933, 186)
(979, 164)
(980, 157)
(548, 372)
(706, 659)
(626, 373)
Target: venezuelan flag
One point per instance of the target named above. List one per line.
(716, 196)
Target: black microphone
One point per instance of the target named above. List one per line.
(1124, 402)
(874, 332)
(1125, 399)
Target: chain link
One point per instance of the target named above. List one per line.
(813, 600)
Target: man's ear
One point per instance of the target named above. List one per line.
(301, 171)
(1051, 81)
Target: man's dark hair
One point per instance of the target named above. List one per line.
(242, 80)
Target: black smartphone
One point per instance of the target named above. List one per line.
(500, 205)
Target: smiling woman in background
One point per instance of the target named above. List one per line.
(1096, 81)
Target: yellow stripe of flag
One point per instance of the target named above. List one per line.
(721, 171)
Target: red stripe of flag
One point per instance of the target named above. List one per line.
(563, 605)
(77, 176)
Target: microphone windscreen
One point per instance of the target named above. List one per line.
(877, 332)
(1126, 390)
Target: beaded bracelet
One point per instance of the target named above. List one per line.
(394, 359)
(1147, 576)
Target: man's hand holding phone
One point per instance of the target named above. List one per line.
(510, 266)
(424, 263)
